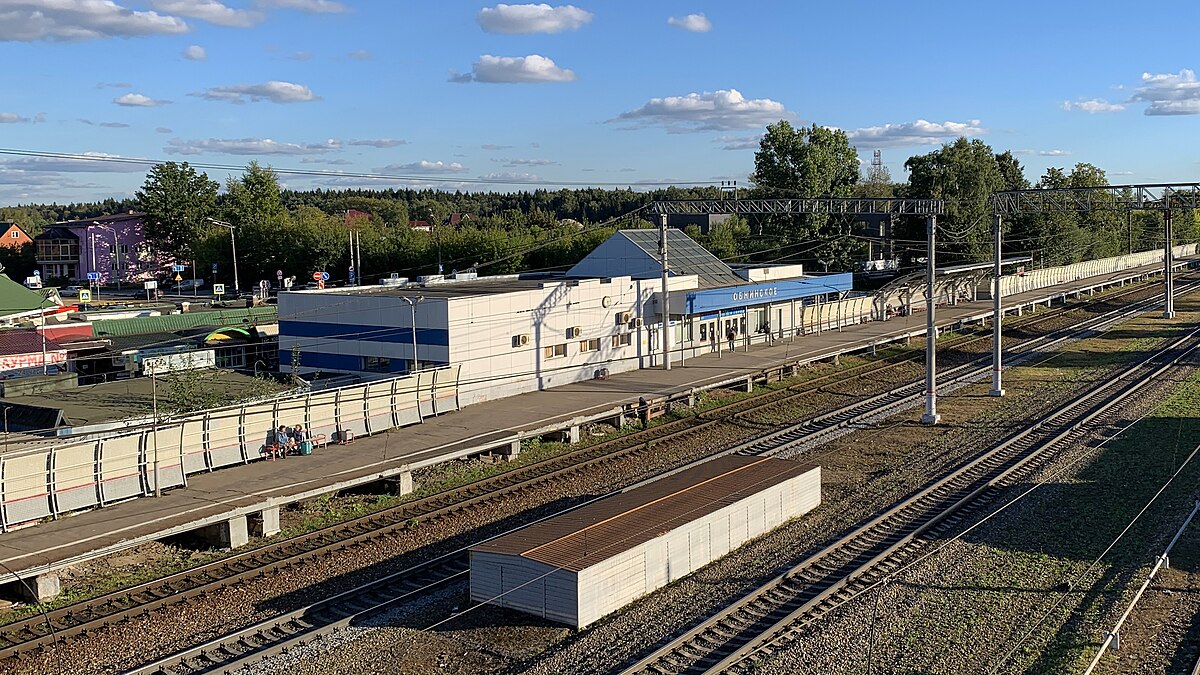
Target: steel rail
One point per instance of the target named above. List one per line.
(246, 646)
(824, 580)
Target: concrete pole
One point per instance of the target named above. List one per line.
(997, 313)
(1168, 268)
(931, 415)
(154, 398)
(666, 308)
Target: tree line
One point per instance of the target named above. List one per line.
(304, 231)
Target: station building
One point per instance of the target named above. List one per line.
(518, 333)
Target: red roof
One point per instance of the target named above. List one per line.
(23, 341)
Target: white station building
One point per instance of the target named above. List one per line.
(519, 333)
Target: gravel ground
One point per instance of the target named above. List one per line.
(1003, 586)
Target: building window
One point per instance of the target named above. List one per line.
(592, 345)
(555, 351)
(376, 364)
(622, 340)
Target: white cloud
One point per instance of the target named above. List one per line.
(274, 91)
(528, 162)
(248, 146)
(361, 55)
(423, 166)
(211, 11)
(113, 125)
(138, 101)
(13, 118)
(1043, 153)
(723, 110)
(739, 142)
(920, 132)
(195, 53)
(308, 6)
(67, 21)
(88, 162)
(377, 142)
(694, 23)
(514, 69)
(1170, 93)
(522, 19)
(322, 160)
(510, 177)
(1094, 105)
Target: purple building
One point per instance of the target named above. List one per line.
(114, 247)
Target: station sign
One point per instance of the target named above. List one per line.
(93, 276)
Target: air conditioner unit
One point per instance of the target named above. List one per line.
(574, 332)
(637, 323)
(625, 317)
(521, 340)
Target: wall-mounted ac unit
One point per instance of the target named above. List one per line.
(521, 340)
(636, 323)
(624, 317)
(574, 332)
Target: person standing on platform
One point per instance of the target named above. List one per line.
(732, 335)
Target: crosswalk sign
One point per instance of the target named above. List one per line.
(85, 296)
(218, 289)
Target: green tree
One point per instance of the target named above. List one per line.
(964, 174)
(807, 162)
(176, 200)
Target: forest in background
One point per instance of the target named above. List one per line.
(541, 230)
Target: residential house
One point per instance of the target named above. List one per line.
(13, 236)
(113, 247)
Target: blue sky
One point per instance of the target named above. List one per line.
(464, 95)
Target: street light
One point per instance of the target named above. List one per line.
(233, 241)
(412, 306)
(116, 250)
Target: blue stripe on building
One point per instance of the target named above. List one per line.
(734, 297)
(330, 361)
(439, 337)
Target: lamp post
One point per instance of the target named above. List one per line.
(116, 251)
(233, 242)
(412, 306)
(154, 403)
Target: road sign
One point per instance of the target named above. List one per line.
(37, 273)
(351, 275)
(278, 274)
(317, 276)
(218, 289)
(85, 295)
(93, 276)
(150, 285)
(324, 276)
(178, 268)
(214, 268)
(321, 284)
(178, 278)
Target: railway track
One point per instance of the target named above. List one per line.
(767, 619)
(280, 633)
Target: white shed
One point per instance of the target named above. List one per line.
(577, 567)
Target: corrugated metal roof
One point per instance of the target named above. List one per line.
(173, 323)
(586, 536)
(22, 341)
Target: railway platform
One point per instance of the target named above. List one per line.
(231, 505)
